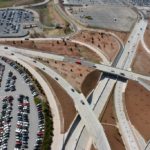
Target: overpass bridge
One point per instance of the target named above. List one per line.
(120, 72)
(111, 70)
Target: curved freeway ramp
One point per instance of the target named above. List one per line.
(93, 126)
(58, 137)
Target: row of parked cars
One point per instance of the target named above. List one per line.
(5, 120)
(24, 75)
(22, 129)
(10, 82)
(41, 126)
(2, 69)
(11, 19)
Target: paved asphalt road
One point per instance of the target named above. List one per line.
(108, 68)
(124, 126)
(58, 137)
(89, 64)
(126, 53)
(102, 67)
(92, 124)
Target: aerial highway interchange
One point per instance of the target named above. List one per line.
(34, 97)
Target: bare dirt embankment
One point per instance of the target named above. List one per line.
(141, 62)
(82, 78)
(104, 41)
(92, 147)
(57, 47)
(122, 35)
(90, 82)
(137, 100)
(108, 121)
(64, 101)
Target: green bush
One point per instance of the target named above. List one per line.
(89, 17)
(48, 135)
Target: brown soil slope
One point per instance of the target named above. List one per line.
(109, 124)
(142, 62)
(122, 35)
(90, 82)
(75, 74)
(137, 100)
(106, 42)
(65, 101)
(57, 47)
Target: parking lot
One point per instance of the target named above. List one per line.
(21, 121)
(2, 68)
(13, 21)
(93, 2)
(97, 16)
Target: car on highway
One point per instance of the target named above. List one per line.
(82, 102)
(122, 74)
(56, 78)
(78, 62)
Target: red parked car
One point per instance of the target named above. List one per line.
(78, 62)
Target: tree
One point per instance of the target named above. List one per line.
(65, 43)
(99, 46)
(71, 49)
(102, 35)
(75, 45)
(104, 45)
